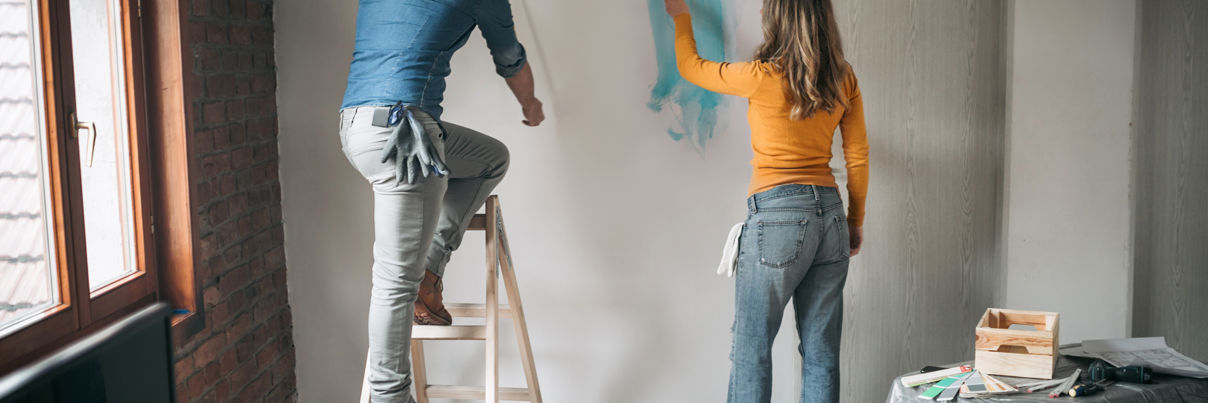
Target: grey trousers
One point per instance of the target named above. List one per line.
(416, 227)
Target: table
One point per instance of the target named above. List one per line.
(1164, 389)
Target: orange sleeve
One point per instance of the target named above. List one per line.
(855, 151)
(741, 79)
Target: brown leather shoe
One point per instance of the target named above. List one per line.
(430, 306)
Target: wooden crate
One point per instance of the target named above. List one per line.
(1013, 352)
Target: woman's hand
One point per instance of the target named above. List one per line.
(857, 239)
(675, 7)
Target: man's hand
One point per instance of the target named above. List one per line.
(857, 239)
(533, 112)
(675, 7)
(522, 86)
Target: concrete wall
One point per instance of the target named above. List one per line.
(616, 229)
(1068, 177)
(1172, 175)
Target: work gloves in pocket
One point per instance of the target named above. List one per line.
(411, 144)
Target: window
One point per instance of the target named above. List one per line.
(76, 247)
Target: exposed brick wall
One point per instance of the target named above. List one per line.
(246, 351)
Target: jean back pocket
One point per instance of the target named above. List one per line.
(780, 241)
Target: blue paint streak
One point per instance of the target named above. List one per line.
(698, 107)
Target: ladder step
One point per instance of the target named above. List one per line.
(478, 223)
(476, 310)
(475, 393)
(420, 332)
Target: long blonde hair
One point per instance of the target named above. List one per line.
(801, 39)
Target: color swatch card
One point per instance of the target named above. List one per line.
(929, 377)
(979, 384)
(946, 389)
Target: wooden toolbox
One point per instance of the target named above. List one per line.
(1000, 350)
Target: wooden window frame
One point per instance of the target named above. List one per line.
(157, 88)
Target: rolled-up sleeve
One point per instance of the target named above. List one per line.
(499, 29)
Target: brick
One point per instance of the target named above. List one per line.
(238, 132)
(226, 185)
(220, 8)
(262, 83)
(208, 351)
(207, 59)
(200, 8)
(267, 355)
(241, 35)
(262, 36)
(241, 324)
(213, 112)
(222, 138)
(183, 368)
(219, 212)
(196, 385)
(244, 61)
(239, 203)
(222, 391)
(235, 110)
(254, 10)
(182, 392)
(216, 33)
(241, 158)
(220, 86)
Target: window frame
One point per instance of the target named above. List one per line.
(160, 178)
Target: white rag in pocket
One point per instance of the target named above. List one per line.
(729, 253)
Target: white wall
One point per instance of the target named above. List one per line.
(616, 229)
(1069, 178)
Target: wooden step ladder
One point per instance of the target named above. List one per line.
(499, 256)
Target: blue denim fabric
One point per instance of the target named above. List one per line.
(403, 48)
(794, 246)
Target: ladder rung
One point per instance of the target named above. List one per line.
(475, 393)
(460, 332)
(478, 223)
(476, 310)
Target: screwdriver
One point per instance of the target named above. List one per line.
(1087, 389)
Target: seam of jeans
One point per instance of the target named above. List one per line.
(782, 209)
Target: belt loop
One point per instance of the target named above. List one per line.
(817, 199)
(752, 205)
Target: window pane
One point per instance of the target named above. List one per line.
(27, 269)
(105, 152)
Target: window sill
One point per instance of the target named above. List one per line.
(185, 325)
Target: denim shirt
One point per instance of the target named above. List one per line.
(403, 48)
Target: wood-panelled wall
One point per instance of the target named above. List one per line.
(933, 78)
(1172, 175)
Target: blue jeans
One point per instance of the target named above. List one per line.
(794, 246)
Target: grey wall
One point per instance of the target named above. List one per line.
(1172, 175)
(1068, 180)
(616, 228)
(932, 74)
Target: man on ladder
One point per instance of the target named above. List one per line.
(428, 177)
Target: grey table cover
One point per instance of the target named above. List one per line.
(1164, 389)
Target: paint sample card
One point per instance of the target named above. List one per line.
(979, 384)
(929, 377)
(942, 388)
(976, 384)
